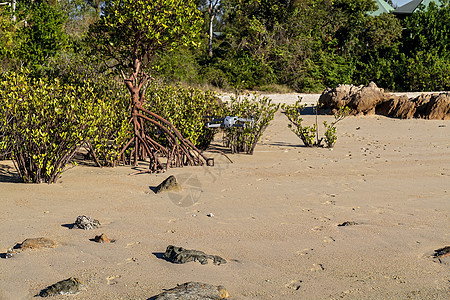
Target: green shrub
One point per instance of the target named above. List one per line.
(185, 108)
(261, 109)
(111, 128)
(5, 119)
(306, 133)
(275, 88)
(47, 125)
(309, 134)
(48, 121)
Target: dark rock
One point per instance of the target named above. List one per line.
(439, 107)
(179, 255)
(86, 223)
(103, 239)
(9, 253)
(371, 99)
(442, 252)
(169, 184)
(360, 99)
(397, 107)
(348, 223)
(366, 99)
(433, 106)
(64, 287)
(336, 97)
(421, 103)
(193, 291)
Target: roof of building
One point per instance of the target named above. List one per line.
(412, 6)
(383, 7)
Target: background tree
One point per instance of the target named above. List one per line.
(96, 5)
(428, 30)
(425, 56)
(304, 45)
(128, 36)
(213, 8)
(80, 14)
(43, 34)
(8, 41)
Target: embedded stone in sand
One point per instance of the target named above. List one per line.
(103, 239)
(30, 243)
(348, 223)
(36, 243)
(193, 290)
(63, 287)
(169, 184)
(86, 223)
(180, 255)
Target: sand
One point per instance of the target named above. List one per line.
(273, 217)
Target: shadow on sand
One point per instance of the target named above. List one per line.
(69, 226)
(159, 255)
(283, 144)
(8, 174)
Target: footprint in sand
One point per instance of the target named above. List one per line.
(133, 244)
(317, 267)
(294, 285)
(111, 280)
(129, 260)
(322, 219)
(318, 228)
(328, 239)
(330, 202)
(305, 251)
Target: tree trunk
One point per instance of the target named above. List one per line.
(211, 19)
(178, 152)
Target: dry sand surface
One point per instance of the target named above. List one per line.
(275, 217)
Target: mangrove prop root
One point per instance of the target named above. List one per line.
(178, 151)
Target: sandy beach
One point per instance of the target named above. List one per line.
(273, 216)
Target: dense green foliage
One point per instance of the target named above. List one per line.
(306, 45)
(47, 121)
(111, 129)
(43, 36)
(131, 30)
(37, 35)
(186, 109)
(313, 44)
